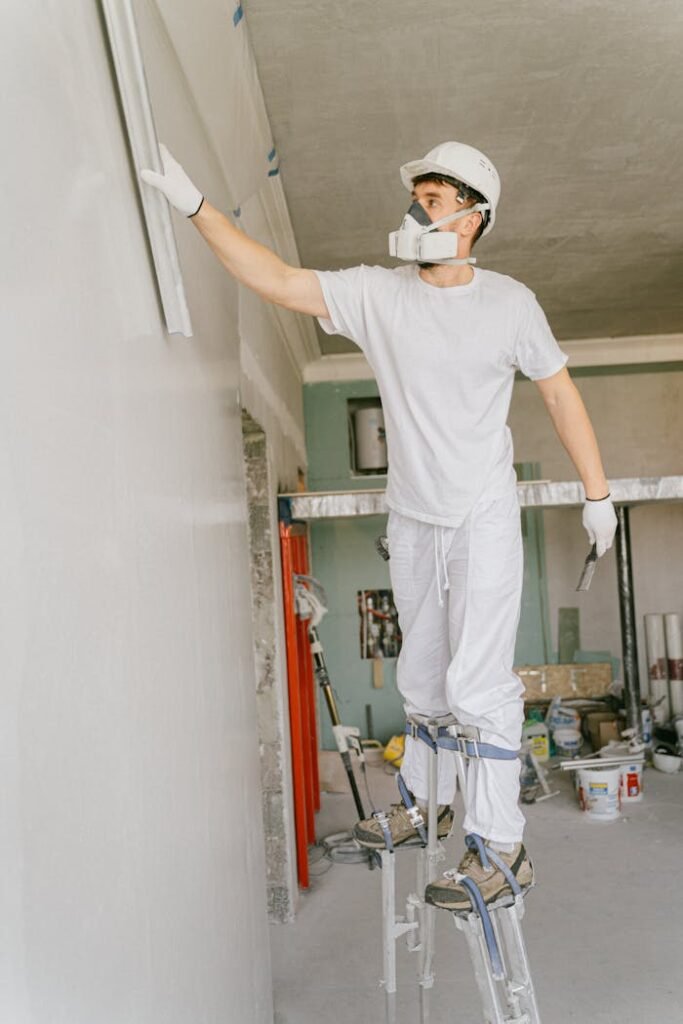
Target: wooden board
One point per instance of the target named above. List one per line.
(546, 681)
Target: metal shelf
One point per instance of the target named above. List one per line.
(532, 494)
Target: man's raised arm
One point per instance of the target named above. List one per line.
(253, 264)
(575, 430)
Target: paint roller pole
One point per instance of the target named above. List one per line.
(341, 734)
(627, 615)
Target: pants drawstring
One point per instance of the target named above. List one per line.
(440, 566)
(446, 585)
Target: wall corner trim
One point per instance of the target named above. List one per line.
(342, 366)
(641, 349)
(638, 348)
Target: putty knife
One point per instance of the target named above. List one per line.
(588, 568)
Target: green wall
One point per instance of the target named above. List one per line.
(344, 559)
(327, 436)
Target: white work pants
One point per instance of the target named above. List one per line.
(457, 593)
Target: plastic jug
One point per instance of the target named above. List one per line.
(536, 733)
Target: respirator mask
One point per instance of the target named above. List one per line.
(420, 241)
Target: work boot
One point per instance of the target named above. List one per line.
(369, 832)
(450, 894)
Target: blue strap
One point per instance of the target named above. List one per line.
(420, 732)
(488, 856)
(470, 748)
(475, 842)
(473, 748)
(413, 810)
(487, 926)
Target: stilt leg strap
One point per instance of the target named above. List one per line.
(460, 743)
(486, 924)
(487, 856)
(414, 813)
(420, 732)
(475, 842)
(383, 822)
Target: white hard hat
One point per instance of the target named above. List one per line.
(466, 165)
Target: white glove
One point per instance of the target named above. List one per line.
(175, 184)
(600, 522)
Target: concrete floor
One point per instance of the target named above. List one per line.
(604, 926)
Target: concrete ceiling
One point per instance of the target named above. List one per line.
(579, 104)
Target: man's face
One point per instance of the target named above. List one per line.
(439, 201)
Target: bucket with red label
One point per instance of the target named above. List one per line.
(631, 783)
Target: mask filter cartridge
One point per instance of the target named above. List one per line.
(418, 240)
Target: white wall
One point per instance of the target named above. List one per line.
(204, 84)
(638, 419)
(131, 851)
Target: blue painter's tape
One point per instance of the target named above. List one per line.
(238, 15)
(275, 171)
(272, 155)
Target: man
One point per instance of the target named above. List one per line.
(444, 341)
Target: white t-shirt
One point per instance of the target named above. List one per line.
(445, 362)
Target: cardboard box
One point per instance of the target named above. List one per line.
(600, 727)
(609, 731)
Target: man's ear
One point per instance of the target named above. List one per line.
(471, 223)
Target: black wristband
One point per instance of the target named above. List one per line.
(599, 499)
(191, 215)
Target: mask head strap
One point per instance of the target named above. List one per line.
(479, 208)
(464, 192)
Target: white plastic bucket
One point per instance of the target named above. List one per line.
(631, 783)
(567, 741)
(563, 718)
(599, 793)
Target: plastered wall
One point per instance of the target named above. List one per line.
(132, 862)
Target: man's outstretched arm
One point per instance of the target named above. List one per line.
(253, 264)
(575, 430)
